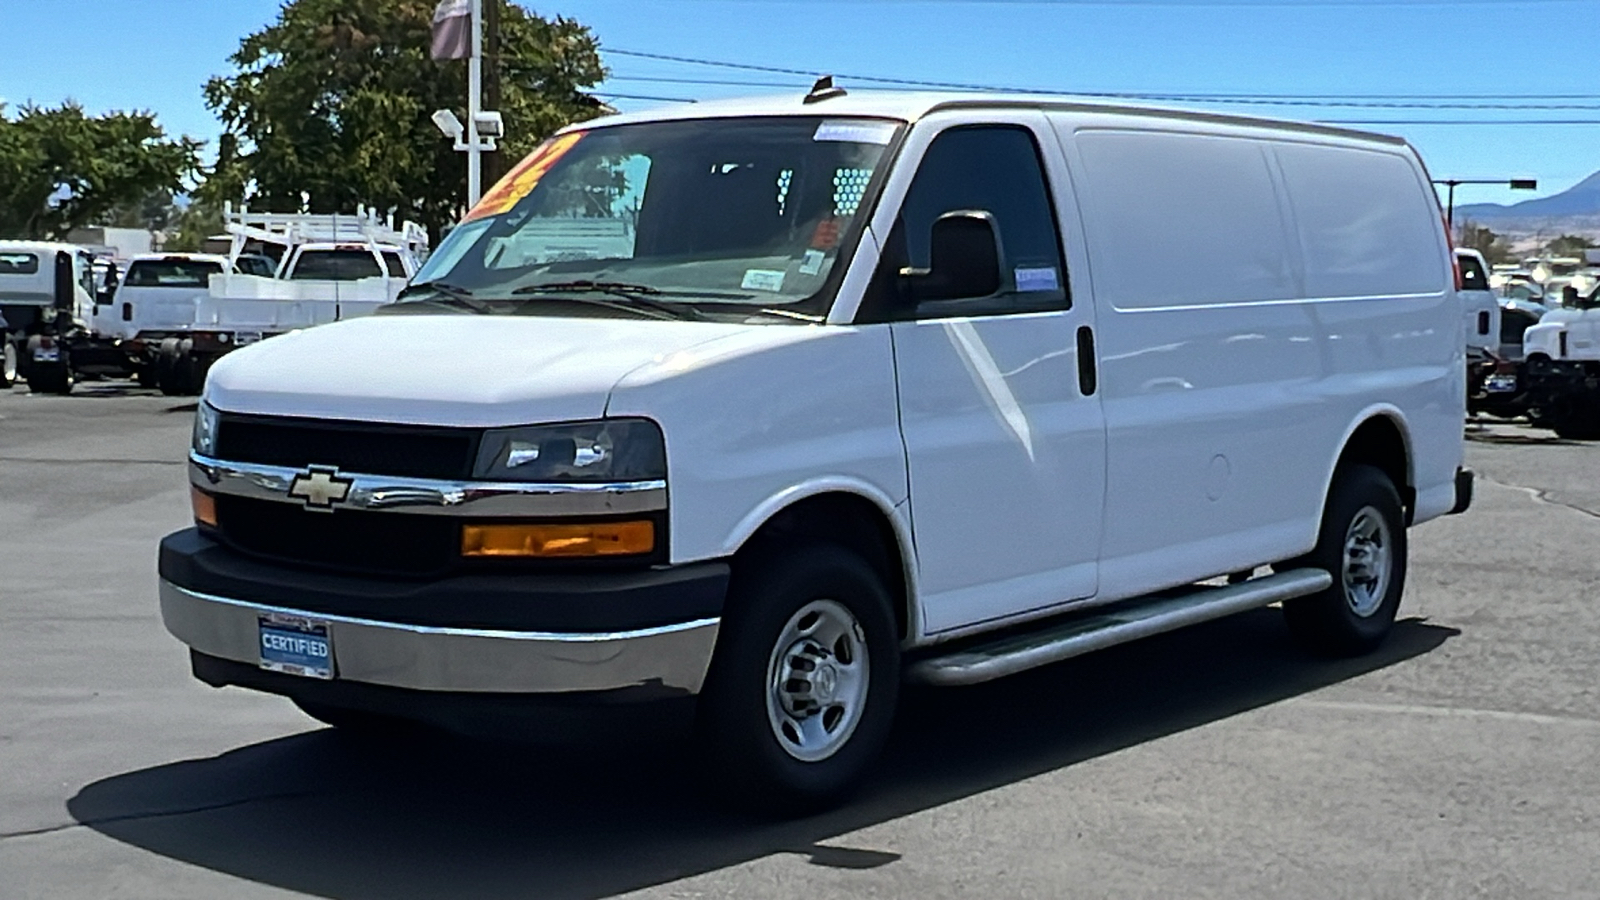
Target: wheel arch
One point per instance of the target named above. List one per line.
(1379, 437)
(851, 514)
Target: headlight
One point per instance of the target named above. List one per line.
(205, 430)
(608, 450)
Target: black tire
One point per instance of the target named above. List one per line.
(356, 722)
(148, 375)
(1574, 420)
(56, 379)
(176, 368)
(746, 703)
(1349, 619)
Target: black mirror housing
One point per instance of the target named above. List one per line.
(964, 256)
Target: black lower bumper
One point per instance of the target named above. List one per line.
(571, 602)
(552, 718)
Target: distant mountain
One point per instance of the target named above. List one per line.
(1582, 199)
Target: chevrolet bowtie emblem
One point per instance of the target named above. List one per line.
(320, 487)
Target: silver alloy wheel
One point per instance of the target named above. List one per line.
(817, 681)
(1368, 562)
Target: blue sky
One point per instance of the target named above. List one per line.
(155, 54)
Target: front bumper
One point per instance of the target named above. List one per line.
(649, 658)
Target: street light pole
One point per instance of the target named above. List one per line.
(474, 107)
(1516, 184)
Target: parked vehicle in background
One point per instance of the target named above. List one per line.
(48, 298)
(332, 267)
(816, 396)
(1563, 367)
(1481, 308)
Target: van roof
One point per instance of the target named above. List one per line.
(910, 106)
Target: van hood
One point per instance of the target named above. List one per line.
(451, 370)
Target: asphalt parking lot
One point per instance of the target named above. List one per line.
(1462, 760)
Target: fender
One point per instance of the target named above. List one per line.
(841, 484)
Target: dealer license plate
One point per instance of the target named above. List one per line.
(1501, 384)
(52, 354)
(296, 646)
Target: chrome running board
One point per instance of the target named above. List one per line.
(1097, 629)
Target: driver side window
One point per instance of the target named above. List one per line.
(993, 169)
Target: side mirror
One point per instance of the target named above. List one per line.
(964, 259)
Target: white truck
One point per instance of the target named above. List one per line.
(848, 391)
(56, 327)
(330, 267)
(1562, 365)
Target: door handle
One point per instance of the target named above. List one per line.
(1088, 374)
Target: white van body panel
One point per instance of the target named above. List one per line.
(1228, 395)
(763, 417)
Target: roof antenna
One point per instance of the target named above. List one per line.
(824, 90)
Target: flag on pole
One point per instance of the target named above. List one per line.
(452, 30)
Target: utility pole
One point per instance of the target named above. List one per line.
(494, 167)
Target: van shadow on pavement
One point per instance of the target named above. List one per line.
(335, 817)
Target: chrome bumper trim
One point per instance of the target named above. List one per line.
(426, 496)
(428, 658)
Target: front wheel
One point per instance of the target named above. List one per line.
(1362, 544)
(802, 688)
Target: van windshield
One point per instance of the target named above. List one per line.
(718, 214)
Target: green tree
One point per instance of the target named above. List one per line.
(1569, 245)
(331, 106)
(61, 168)
(1495, 249)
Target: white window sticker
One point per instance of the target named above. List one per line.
(762, 280)
(1029, 280)
(813, 262)
(861, 132)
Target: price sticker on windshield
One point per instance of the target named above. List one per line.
(521, 181)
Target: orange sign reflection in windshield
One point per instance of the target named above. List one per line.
(521, 181)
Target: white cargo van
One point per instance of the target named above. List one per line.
(762, 407)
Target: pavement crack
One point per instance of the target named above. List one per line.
(1542, 495)
(153, 814)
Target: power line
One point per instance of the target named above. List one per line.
(1197, 96)
(1280, 100)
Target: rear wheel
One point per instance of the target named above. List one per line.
(1362, 544)
(177, 370)
(802, 689)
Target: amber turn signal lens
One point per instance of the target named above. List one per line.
(204, 506)
(545, 541)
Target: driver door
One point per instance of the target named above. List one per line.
(1003, 431)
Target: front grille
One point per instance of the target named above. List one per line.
(404, 451)
(375, 542)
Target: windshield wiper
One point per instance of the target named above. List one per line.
(640, 297)
(457, 296)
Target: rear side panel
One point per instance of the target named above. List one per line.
(1257, 295)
